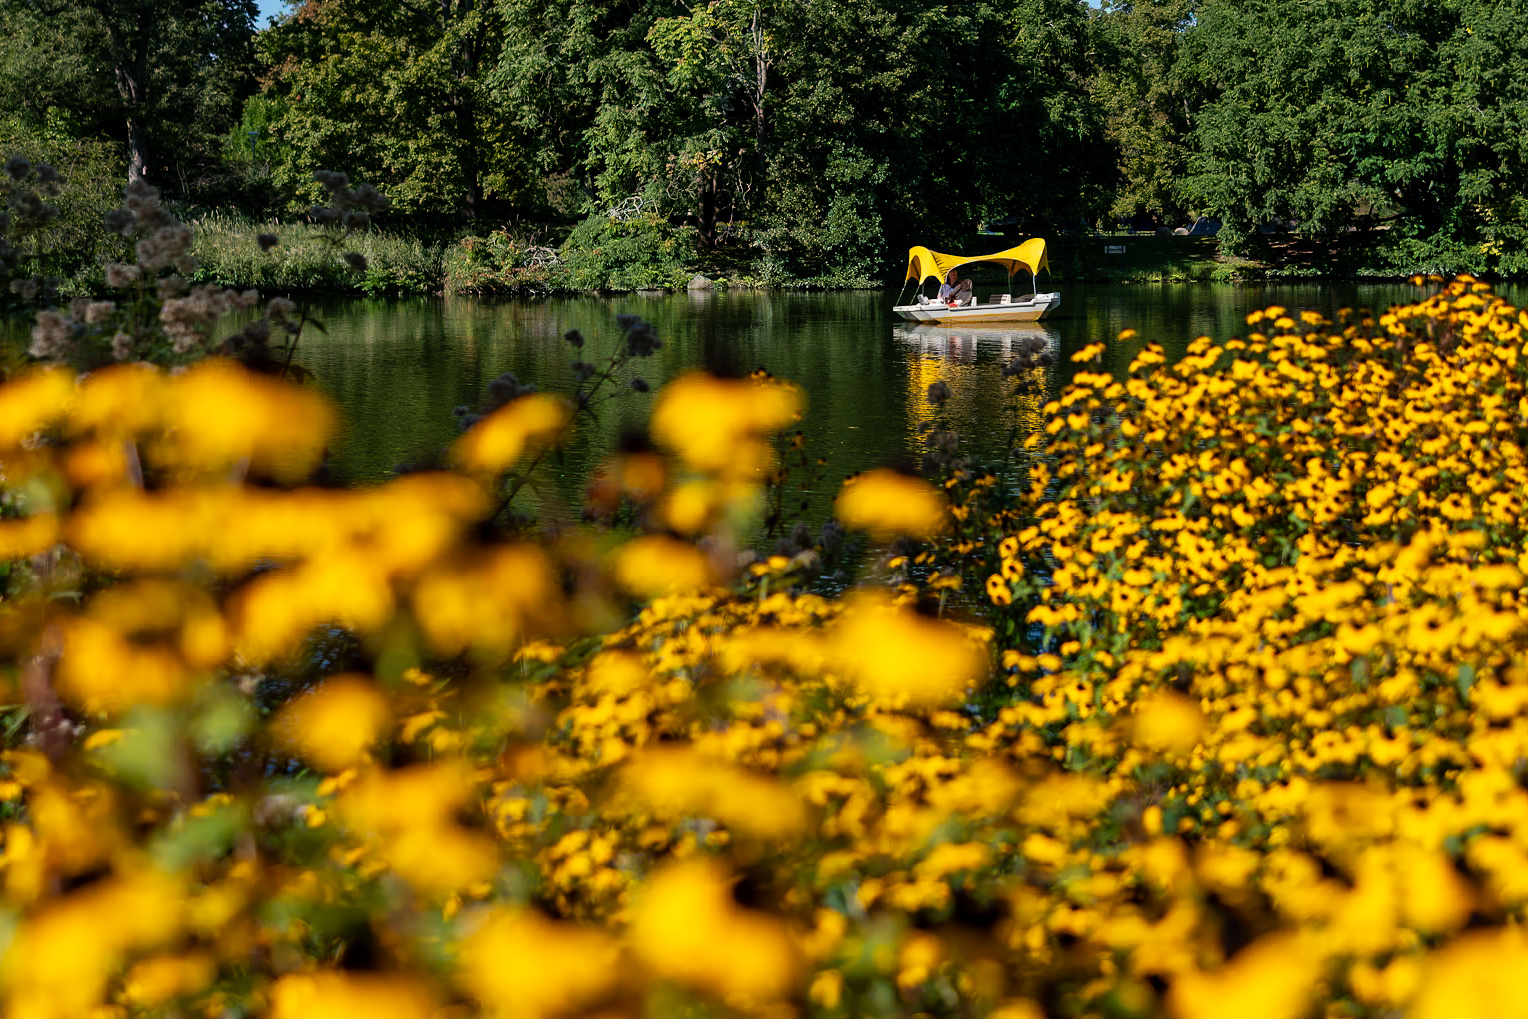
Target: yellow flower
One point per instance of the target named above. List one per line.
(488, 602)
(218, 415)
(656, 565)
(409, 815)
(335, 995)
(31, 403)
(1273, 978)
(334, 725)
(1168, 721)
(524, 965)
(679, 782)
(687, 928)
(888, 504)
(717, 425)
(896, 654)
(1477, 976)
(277, 610)
(28, 536)
(156, 980)
(60, 958)
(516, 430)
(121, 400)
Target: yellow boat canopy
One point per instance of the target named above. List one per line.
(923, 264)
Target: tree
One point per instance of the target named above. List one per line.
(166, 77)
(716, 65)
(1142, 102)
(395, 92)
(899, 121)
(580, 80)
(1406, 114)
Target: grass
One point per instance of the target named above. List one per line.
(226, 249)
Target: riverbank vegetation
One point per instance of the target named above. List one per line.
(779, 144)
(1212, 697)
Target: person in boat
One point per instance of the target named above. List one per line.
(954, 290)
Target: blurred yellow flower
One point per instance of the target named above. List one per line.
(121, 400)
(334, 725)
(887, 504)
(154, 981)
(688, 928)
(1477, 976)
(518, 429)
(655, 565)
(105, 669)
(896, 654)
(218, 415)
(273, 613)
(1167, 721)
(1273, 978)
(32, 402)
(691, 507)
(523, 966)
(717, 425)
(675, 783)
(409, 814)
(335, 995)
(59, 960)
(27, 536)
(489, 601)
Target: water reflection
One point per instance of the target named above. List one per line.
(990, 409)
(398, 367)
(957, 344)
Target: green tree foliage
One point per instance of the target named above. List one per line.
(1405, 113)
(904, 121)
(827, 133)
(394, 89)
(581, 80)
(166, 79)
(1143, 103)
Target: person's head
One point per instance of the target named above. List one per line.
(952, 277)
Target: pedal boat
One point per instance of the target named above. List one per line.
(924, 265)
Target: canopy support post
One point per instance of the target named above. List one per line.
(900, 292)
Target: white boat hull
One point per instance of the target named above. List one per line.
(1031, 310)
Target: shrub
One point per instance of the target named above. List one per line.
(76, 242)
(606, 254)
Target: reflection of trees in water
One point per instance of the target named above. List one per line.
(398, 368)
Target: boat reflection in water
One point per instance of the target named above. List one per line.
(996, 380)
(962, 345)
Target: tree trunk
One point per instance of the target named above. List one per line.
(706, 213)
(472, 177)
(761, 79)
(130, 57)
(465, 110)
(137, 150)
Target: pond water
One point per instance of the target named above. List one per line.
(399, 367)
